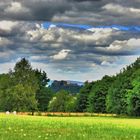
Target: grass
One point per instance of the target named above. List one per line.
(68, 128)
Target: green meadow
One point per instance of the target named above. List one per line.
(21, 127)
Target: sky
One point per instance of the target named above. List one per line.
(70, 39)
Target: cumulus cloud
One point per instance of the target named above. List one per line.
(61, 55)
(7, 25)
(15, 8)
(131, 45)
(57, 35)
(117, 8)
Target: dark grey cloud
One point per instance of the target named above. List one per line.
(94, 12)
(31, 10)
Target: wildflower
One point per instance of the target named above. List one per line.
(134, 137)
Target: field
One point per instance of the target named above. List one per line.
(22, 127)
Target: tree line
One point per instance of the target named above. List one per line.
(118, 94)
(25, 89)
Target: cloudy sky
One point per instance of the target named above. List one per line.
(70, 39)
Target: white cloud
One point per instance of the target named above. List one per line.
(105, 63)
(132, 44)
(41, 35)
(56, 35)
(38, 26)
(61, 55)
(100, 35)
(117, 45)
(52, 26)
(16, 7)
(116, 8)
(7, 25)
(135, 10)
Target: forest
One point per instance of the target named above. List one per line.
(25, 89)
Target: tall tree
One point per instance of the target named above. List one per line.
(43, 94)
(98, 94)
(82, 98)
(5, 83)
(20, 96)
(134, 96)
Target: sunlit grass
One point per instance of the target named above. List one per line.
(68, 128)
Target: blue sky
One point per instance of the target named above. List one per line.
(71, 40)
(131, 28)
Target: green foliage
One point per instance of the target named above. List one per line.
(42, 78)
(119, 92)
(18, 88)
(82, 98)
(5, 83)
(117, 96)
(134, 104)
(62, 102)
(97, 97)
(71, 104)
(43, 94)
(134, 96)
(20, 96)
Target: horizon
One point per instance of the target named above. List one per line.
(74, 40)
(72, 80)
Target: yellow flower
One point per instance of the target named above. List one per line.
(24, 134)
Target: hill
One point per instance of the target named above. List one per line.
(70, 86)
